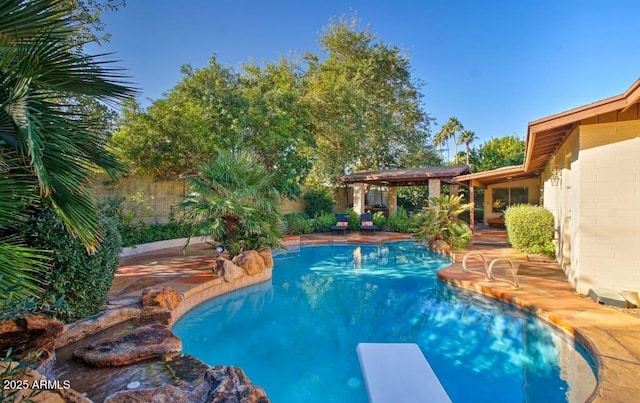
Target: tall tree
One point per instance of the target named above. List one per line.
(44, 141)
(498, 153)
(448, 133)
(467, 137)
(366, 111)
(213, 109)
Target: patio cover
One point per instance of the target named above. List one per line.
(407, 176)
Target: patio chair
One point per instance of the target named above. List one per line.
(342, 224)
(366, 223)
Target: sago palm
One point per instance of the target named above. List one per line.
(234, 201)
(47, 148)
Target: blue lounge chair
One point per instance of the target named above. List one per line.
(366, 223)
(342, 224)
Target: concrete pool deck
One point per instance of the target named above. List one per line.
(610, 335)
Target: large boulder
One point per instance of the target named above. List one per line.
(440, 246)
(33, 333)
(250, 261)
(267, 256)
(143, 343)
(220, 384)
(158, 304)
(230, 384)
(41, 389)
(162, 394)
(228, 270)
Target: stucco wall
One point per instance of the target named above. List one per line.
(609, 210)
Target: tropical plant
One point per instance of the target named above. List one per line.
(235, 202)
(530, 228)
(48, 148)
(440, 221)
(467, 137)
(448, 132)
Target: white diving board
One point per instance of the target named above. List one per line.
(399, 373)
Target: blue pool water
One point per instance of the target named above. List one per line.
(296, 336)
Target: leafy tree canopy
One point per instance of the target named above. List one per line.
(213, 109)
(497, 153)
(366, 111)
(355, 107)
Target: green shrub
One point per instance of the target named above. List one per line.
(318, 201)
(323, 222)
(354, 220)
(79, 281)
(298, 224)
(400, 221)
(379, 220)
(135, 233)
(530, 229)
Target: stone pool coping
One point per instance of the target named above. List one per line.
(609, 335)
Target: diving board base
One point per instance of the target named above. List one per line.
(399, 373)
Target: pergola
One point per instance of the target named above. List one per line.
(433, 177)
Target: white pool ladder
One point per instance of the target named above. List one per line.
(488, 268)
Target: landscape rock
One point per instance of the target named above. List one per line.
(94, 324)
(141, 344)
(228, 270)
(50, 391)
(230, 384)
(28, 335)
(440, 246)
(267, 256)
(162, 394)
(158, 304)
(250, 261)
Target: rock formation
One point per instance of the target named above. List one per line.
(158, 304)
(218, 385)
(28, 335)
(141, 344)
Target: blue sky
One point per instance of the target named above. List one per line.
(496, 65)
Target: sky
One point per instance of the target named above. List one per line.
(494, 64)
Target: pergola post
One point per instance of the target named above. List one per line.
(434, 188)
(472, 213)
(358, 197)
(392, 202)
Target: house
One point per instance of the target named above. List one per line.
(584, 166)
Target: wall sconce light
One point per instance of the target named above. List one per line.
(556, 174)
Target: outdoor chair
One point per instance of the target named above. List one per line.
(342, 224)
(366, 223)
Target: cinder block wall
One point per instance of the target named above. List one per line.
(151, 200)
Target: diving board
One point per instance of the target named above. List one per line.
(399, 373)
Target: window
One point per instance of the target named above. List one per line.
(504, 197)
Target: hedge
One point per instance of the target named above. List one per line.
(530, 229)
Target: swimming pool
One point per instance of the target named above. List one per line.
(296, 336)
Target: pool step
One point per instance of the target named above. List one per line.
(398, 373)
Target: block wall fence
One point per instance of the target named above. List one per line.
(153, 200)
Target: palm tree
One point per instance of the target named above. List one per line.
(48, 149)
(448, 132)
(235, 201)
(467, 137)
